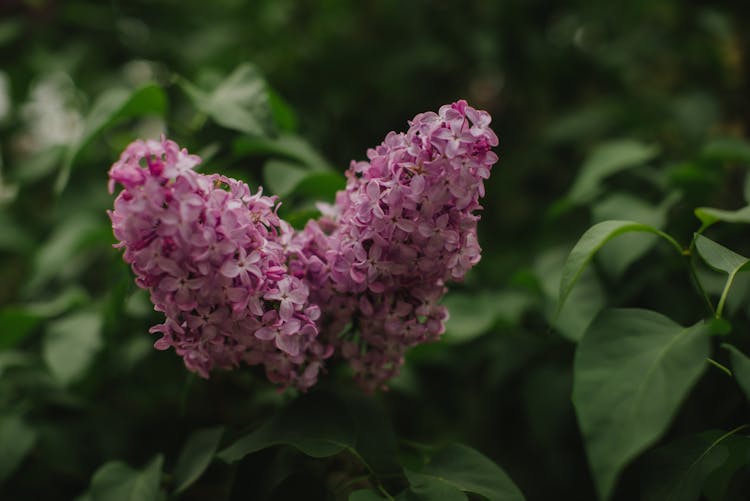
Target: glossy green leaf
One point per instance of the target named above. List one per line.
(592, 240)
(16, 441)
(116, 481)
(467, 470)
(240, 102)
(722, 259)
(680, 470)
(70, 345)
(633, 368)
(607, 159)
(196, 456)
(111, 107)
(317, 424)
(740, 368)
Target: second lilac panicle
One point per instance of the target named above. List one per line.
(213, 256)
(403, 227)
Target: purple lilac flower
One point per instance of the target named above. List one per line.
(213, 257)
(404, 226)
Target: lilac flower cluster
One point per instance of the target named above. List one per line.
(405, 224)
(213, 256)
(237, 284)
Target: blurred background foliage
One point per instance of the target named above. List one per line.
(628, 110)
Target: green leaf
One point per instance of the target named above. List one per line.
(472, 315)
(709, 216)
(110, 108)
(719, 257)
(722, 259)
(633, 368)
(16, 441)
(196, 456)
(286, 145)
(467, 470)
(740, 368)
(593, 240)
(607, 159)
(622, 206)
(584, 301)
(116, 481)
(70, 345)
(281, 176)
(316, 424)
(679, 471)
(240, 102)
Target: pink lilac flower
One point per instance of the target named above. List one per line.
(404, 226)
(213, 256)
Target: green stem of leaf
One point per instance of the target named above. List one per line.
(689, 255)
(698, 285)
(719, 366)
(724, 294)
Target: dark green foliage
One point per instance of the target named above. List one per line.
(617, 216)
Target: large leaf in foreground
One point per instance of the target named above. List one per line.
(467, 470)
(633, 368)
(593, 240)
